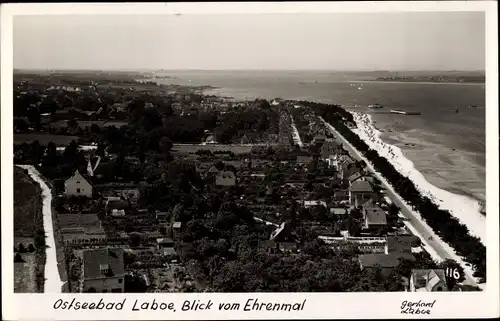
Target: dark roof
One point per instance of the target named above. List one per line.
(94, 261)
(400, 243)
(375, 215)
(384, 260)
(361, 186)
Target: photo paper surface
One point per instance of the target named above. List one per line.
(250, 161)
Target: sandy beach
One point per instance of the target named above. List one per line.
(464, 208)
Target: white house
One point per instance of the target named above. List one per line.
(77, 185)
(427, 280)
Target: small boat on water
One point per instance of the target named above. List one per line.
(375, 106)
(456, 111)
(395, 111)
(472, 106)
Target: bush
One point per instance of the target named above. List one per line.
(18, 258)
(21, 248)
(31, 248)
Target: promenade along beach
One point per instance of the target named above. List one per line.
(442, 150)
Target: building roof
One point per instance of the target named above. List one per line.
(400, 243)
(384, 260)
(314, 203)
(97, 259)
(361, 186)
(77, 177)
(226, 174)
(176, 225)
(304, 158)
(425, 279)
(375, 215)
(338, 211)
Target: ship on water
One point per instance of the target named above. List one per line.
(375, 106)
(401, 112)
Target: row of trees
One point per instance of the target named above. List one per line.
(441, 221)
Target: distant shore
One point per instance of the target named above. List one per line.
(418, 82)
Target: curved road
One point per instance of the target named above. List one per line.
(416, 224)
(53, 283)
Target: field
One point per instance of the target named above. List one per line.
(27, 219)
(27, 204)
(44, 139)
(24, 274)
(188, 149)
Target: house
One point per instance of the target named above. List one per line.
(225, 178)
(428, 280)
(77, 185)
(361, 176)
(374, 217)
(176, 231)
(80, 228)
(360, 192)
(330, 149)
(284, 233)
(211, 172)
(338, 211)
(309, 204)
(103, 270)
(166, 246)
(161, 216)
(273, 247)
(304, 159)
(349, 167)
(115, 203)
(117, 213)
(148, 105)
(386, 262)
(341, 195)
(245, 139)
(399, 243)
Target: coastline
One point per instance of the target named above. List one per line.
(438, 249)
(464, 208)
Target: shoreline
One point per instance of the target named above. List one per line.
(417, 226)
(53, 283)
(464, 208)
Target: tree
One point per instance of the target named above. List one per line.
(21, 248)
(31, 248)
(18, 258)
(72, 123)
(166, 145)
(163, 230)
(40, 239)
(134, 239)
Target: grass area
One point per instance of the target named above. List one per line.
(28, 219)
(25, 275)
(27, 204)
(44, 139)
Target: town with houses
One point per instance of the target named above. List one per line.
(159, 188)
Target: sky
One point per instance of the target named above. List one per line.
(329, 41)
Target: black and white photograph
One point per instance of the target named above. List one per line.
(250, 153)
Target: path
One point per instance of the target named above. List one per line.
(53, 283)
(414, 223)
(295, 133)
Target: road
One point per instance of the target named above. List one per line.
(53, 283)
(416, 224)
